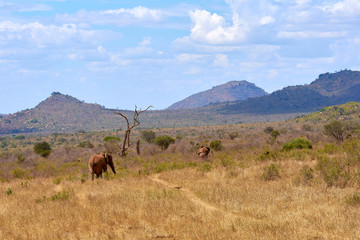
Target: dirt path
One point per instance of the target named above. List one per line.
(193, 198)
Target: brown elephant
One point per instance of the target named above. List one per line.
(203, 151)
(98, 163)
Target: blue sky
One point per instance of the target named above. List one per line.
(122, 53)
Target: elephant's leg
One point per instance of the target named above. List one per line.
(92, 176)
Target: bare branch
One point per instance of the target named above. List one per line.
(126, 143)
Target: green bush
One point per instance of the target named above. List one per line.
(19, 137)
(19, 173)
(330, 169)
(298, 143)
(148, 135)
(112, 139)
(233, 135)
(335, 129)
(9, 191)
(271, 172)
(86, 144)
(164, 141)
(63, 195)
(42, 148)
(268, 155)
(275, 134)
(216, 145)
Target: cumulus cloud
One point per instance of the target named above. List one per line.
(213, 29)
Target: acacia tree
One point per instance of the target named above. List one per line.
(126, 143)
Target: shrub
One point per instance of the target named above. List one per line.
(275, 134)
(86, 144)
(353, 200)
(20, 157)
(298, 143)
(233, 135)
(42, 148)
(57, 180)
(335, 129)
(216, 145)
(271, 172)
(330, 169)
(19, 137)
(63, 195)
(19, 173)
(164, 141)
(268, 130)
(268, 155)
(111, 139)
(306, 127)
(306, 174)
(9, 191)
(148, 135)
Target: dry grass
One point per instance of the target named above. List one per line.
(186, 204)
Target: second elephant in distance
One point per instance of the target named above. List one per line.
(203, 151)
(98, 163)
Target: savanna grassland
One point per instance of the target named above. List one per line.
(279, 180)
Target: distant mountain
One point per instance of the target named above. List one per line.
(328, 89)
(57, 113)
(231, 91)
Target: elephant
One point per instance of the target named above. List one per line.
(98, 163)
(203, 151)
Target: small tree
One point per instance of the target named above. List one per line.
(126, 143)
(335, 129)
(268, 130)
(164, 141)
(42, 148)
(148, 135)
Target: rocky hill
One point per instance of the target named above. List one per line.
(231, 91)
(57, 113)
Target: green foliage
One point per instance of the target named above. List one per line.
(9, 191)
(19, 137)
(86, 144)
(275, 134)
(62, 195)
(42, 148)
(19, 173)
(20, 158)
(298, 143)
(353, 199)
(164, 141)
(330, 169)
(148, 135)
(216, 145)
(57, 180)
(271, 172)
(335, 129)
(268, 155)
(268, 130)
(112, 139)
(305, 175)
(205, 167)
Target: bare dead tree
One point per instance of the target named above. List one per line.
(126, 144)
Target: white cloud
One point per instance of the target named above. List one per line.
(344, 8)
(139, 12)
(119, 17)
(213, 29)
(185, 57)
(44, 35)
(221, 60)
(305, 35)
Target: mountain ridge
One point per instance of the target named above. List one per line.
(230, 91)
